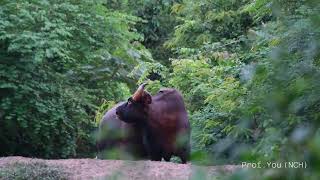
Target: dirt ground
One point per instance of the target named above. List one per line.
(131, 170)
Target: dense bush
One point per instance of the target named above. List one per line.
(58, 60)
(248, 72)
(156, 26)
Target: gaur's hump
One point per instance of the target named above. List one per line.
(168, 93)
(167, 90)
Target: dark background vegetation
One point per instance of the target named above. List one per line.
(248, 70)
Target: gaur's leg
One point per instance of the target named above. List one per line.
(155, 157)
(184, 154)
(151, 145)
(167, 157)
(154, 152)
(183, 158)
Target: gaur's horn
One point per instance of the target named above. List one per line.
(137, 95)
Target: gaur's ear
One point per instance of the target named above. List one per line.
(146, 98)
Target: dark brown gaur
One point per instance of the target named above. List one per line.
(163, 119)
(116, 135)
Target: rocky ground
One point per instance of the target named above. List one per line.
(120, 169)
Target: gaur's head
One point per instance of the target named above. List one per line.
(135, 109)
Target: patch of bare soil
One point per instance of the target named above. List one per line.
(131, 170)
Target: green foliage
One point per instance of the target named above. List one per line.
(58, 60)
(152, 73)
(209, 21)
(156, 26)
(250, 83)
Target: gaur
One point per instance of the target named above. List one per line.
(163, 119)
